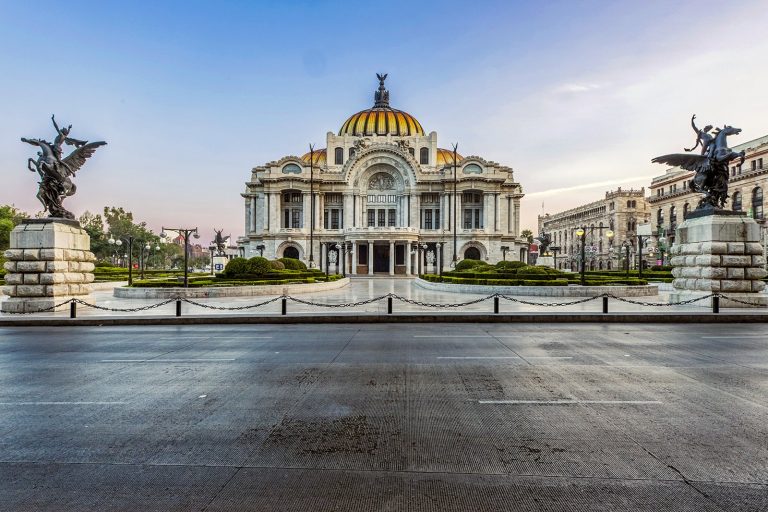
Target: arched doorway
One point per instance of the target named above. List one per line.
(291, 252)
(472, 253)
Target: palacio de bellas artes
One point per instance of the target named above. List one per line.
(404, 256)
(384, 188)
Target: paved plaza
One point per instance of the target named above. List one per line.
(385, 417)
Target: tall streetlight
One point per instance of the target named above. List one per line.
(581, 233)
(555, 249)
(641, 241)
(212, 248)
(183, 232)
(455, 181)
(117, 243)
(627, 245)
(143, 262)
(312, 205)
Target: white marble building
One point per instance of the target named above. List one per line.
(382, 189)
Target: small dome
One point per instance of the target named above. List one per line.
(318, 157)
(381, 119)
(445, 157)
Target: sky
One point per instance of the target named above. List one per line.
(575, 96)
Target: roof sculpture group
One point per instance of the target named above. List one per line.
(710, 166)
(55, 171)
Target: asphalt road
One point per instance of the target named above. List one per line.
(385, 417)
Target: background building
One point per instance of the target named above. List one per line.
(621, 211)
(671, 198)
(384, 189)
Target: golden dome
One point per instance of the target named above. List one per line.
(445, 157)
(381, 119)
(318, 157)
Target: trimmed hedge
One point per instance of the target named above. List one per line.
(293, 264)
(214, 282)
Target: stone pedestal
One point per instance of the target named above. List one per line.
(545, 261)
(719, 251)
(49, 262)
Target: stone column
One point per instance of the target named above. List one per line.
(253, 213)
(306, 211)
(415, 211)
(516, 220)
(496, 213)
(319, 206)
(274, 212)
(355, 248)
(408, 258)
(370, 258)
(346, 213)
(391, 258)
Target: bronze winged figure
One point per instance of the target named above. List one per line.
(56, 172)
(711, 167)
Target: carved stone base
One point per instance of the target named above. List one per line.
(719, 253)
(48, 263)
(545, 261)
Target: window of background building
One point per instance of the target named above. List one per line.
(759, 163)
(686, 209)
(660, 218)
(371, 218)
(754, 165)
(338, 156)
(757, 203)
(736, 201)
(672, 217)
(391, 218)
(424, 156)
(351, 152)
(382, 218)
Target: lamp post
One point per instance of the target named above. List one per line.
(555, 249)
(442, 250)
(455, 226)
(581, 233)
(504, 249)
(212, 248)
(143, 263)
(183, 232)
(641, 241)
(627, 245)
(118, 242)
(422, 255)
(312, 205)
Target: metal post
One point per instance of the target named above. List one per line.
(73, 309)
(583, 255)
(715, 304)
(640, 256)
(442, 250)
(178, 307)
(455, 227)
(389, 305)
(284, 306)
(312, 206)
(496, 305)
(130, 260)
(627, 251)
(605, 304)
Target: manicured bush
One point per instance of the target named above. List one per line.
(258, 265)
(293, 264)
(236, 266)
(277, 265)
(510, 266)
(468, 264)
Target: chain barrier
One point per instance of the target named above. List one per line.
(225, 308)
(390, 296)
(549, 304)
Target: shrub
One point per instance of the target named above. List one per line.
(277, 265)
(236, 266)
(258, 265)
(469, 264)
(510, 266)
(293, 264)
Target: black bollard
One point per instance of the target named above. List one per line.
(496, 305)
(285, 306)
(715, 303)
(605, 304)
(73, 309)
(178, 307)
(389, 305)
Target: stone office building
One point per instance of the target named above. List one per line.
(620, 211)
(671, 198)
(383, 191)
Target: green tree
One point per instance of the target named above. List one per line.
(121, 225)
(528, 235)
(10, 216)
(93, 224)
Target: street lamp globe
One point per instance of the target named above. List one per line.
(147, 247)
(118, 242)
(609, 234)
(579, 232)
(111, 241)
(157, 247)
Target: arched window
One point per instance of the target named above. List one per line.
(291, 252)
(291, 169)
(736, 201)
(338, 154)
(757, 203)
(660, 218)
(424, 156)
(351, 152)
(686, 209)
(412, 152)
(472, 253)
(629, 204)
(672, 217)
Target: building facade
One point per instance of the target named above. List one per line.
(671, 197)
(620, 212)
(379, 198)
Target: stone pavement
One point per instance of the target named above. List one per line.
(525, 417)
(362, 289)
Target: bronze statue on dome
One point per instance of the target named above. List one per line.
(54, 171)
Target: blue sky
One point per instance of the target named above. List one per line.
(576, 96)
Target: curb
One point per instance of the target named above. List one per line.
(658, 318)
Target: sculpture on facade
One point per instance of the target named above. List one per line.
(220, 241)
(711, 166)
(55, 171)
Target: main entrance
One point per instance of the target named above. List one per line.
(381, 258)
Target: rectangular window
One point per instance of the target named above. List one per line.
(478, 224)
(391, 218)
(295, 218)
(437, 219)
(335, 219)
(382, 218)
(754, 165)
(286, 218)
(759, 163)
(467, 219)
(371, 218)
(427, 219)
(325, 219)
